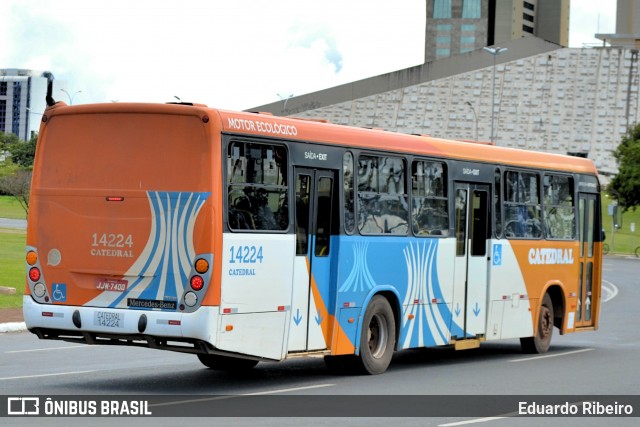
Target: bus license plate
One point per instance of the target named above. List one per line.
(113, 285)
(108, 319)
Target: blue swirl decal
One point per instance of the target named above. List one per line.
(165, 263)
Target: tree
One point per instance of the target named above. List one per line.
(627, 182)
(18, 185)
(23, 153)
(15, 170)
(7, 139)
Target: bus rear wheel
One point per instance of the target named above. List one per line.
(224, 363)
(377, 338)
(541, 341)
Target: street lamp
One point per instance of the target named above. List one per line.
(71, 96)
(285, 99)
(475, 117)
(495, 51)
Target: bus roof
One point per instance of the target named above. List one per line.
(320, 131)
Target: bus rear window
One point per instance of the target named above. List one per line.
(117, 151)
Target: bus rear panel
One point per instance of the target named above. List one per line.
(120, 222)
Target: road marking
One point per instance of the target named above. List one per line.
(499, 417)
(566, 353)
(474, 421)
(286, 390)
(44, 375)
(612, 289)
(47, 349)
(259, 393)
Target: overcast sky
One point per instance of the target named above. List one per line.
(226, 54)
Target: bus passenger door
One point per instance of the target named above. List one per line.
(313, 223)
(588, 274)
(469, 305)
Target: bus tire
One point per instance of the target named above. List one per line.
(225, 363)
(542, 340)
(377, 338)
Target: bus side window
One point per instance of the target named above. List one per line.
(257, 187)
(382, 199)
(302, 213)
(323, 217)
(497, 203)
(348, 178)
(522, 210)
(429, 205)
(559, 209)
(461, 222)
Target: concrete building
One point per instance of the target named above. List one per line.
(578, 101)
(22, 101)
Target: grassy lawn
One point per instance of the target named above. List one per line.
(625, 240)
(10, 208)
(12, 272)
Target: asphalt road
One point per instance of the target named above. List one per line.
(13, 223)
(604, 362)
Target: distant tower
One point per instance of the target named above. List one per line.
(459, 26)
(627, 26)
(545, 19)
(455, 27)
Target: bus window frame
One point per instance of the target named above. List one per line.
(497, 215)
(574, 206)
(343, 195)
(227, 144)
(446, 188)
(506, 203)
(382, 154)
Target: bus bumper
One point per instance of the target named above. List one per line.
(187, 332)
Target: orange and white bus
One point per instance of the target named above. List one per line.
(242, 237)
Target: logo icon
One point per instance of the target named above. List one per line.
(59, 292)
(497, 254)
(23, 406)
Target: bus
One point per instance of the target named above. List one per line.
(242, 237)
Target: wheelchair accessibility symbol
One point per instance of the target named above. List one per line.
(497, 254)
(59, 292)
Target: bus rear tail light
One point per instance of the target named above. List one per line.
(202, 265)
(197, 283)
(190, 299)
(34, 274)
(39, 289)
(32, 257)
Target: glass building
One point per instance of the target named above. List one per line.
(22, 101)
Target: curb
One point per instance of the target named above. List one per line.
(12, 327)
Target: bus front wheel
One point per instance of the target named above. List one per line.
(541, 341)
(224, 363)
(378, 337)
